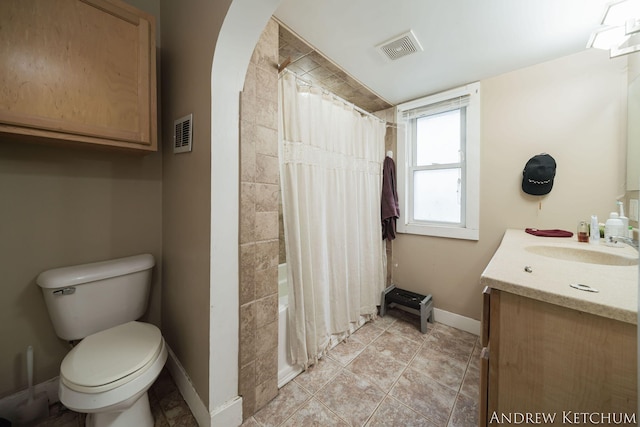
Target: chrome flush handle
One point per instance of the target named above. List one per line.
(64, 291)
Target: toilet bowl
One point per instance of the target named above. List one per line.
(107, 374)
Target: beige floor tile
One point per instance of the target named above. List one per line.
(62, 418)
(425, 396)
(409, 330)
(431, 379)
(384, 322)
(174, 407)
(314, 414)
(475, 356)
(471, 383)
(163, 386)
(458, 334)
(445, 369)
(392, 413)
(377, 368)
(158, 416)
(367, 333)
(350, 397)
(396, 346)
(250, 422)
(315, 377)
(452, 347)
(184, 420)
(465, 412)
(290, 398)
(346, 351)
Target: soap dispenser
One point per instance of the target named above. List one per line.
(624, 219)
(613, 228)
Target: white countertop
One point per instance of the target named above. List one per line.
(550, 277)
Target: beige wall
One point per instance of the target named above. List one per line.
(65, 206)
(573, 108)
(188, 40)
(62, 206)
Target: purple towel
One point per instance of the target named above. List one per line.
(549, 233)
(389, 207)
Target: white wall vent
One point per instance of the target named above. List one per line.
(402, 45)
(182, 136)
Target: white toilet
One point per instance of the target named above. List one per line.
(108, 373)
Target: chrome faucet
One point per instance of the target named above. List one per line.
(628, 240)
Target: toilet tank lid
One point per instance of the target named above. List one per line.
(85, 273)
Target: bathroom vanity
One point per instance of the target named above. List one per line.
(552, 348)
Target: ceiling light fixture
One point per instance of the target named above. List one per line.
(620, 21)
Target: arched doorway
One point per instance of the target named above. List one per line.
(238, 36)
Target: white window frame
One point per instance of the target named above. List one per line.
(469, 229)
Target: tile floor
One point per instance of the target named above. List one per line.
(386, 374)
(168, 407)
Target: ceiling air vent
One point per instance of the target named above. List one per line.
(402, 45)
(182, 136)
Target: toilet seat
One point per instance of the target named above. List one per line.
(111, 358)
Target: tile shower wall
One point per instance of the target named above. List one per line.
(315, 68)
(261, 248)
(259, 237)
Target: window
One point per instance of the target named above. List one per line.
(439, 164)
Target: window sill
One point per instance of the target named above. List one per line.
(440, 231)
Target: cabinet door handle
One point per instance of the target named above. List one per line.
(484, 353)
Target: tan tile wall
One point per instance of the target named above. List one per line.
(312, 66)
(259, 236)
(261, 248)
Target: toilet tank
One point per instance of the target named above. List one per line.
(88, 298)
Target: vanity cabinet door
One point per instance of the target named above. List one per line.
(80, 71)
(484, 354)
(550, 359)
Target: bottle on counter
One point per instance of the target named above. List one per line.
(583, 232)
(614, 227)
(594, 238)
(624, 219)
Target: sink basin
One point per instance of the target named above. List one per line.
(582, 255)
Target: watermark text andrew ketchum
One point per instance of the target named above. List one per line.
(565, 417)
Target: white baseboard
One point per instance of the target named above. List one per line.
(8, 404)
(457, 321)
(229, 414)
(187, 390)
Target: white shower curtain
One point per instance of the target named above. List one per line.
(331, 172)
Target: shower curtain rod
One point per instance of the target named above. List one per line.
(344, 101)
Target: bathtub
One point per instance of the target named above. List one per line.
(286, 371)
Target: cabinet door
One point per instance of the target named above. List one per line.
(79, 71)
(551, 359)
(484, 354)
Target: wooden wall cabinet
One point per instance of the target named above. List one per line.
(79, 71)
(543, 358)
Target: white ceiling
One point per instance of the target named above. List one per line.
(463, 40)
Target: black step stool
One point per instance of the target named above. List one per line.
(411, 302)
